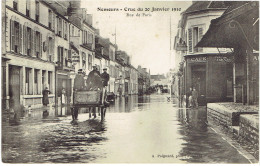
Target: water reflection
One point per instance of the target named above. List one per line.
(203, 145)
(123, 104)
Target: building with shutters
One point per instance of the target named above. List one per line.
(208, 70)
(29, 39)
(60, 24)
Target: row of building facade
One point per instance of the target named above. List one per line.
(221, 63)
(45, 43)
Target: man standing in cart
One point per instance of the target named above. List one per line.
(94, 82)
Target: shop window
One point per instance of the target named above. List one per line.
(28, 81)
(36, 82)
(43, 79)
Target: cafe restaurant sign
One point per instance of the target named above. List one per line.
(197, 59)
(75, 57)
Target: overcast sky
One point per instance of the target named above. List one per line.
(145, 39)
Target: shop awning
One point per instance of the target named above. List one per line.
(236, 28)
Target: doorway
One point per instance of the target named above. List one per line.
(199, 82)
(14, 86)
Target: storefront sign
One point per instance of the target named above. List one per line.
(198, 59)
(223, 59)
(75, 57)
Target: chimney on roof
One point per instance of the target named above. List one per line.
(89, 19)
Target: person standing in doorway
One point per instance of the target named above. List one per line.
(195, 97)
(189, 97)
(45, 98)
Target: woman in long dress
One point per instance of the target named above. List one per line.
(45, 98)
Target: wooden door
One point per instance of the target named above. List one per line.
(14, 86)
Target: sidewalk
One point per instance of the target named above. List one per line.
(240, 120)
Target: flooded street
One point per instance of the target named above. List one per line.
(146, 129)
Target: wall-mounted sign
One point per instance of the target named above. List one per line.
(223, 59)
(197, 59)
(75, 57)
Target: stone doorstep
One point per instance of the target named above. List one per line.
(251, 119)
(225, 110)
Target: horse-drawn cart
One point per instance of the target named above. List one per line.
(87, 99)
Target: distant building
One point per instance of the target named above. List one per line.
(143, 80)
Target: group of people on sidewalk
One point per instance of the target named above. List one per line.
(192, 96)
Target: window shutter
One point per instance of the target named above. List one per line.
(190, 39)
(21, 39)
(69, 54)
(12, 35)
(53, 21)
(25, 43)
(52, 50)
(34, 43)
(40, 45)
(47, 47)
(200, 37)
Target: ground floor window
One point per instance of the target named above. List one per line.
(28, 81)
(37, 89)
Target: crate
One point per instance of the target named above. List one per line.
(87, 97)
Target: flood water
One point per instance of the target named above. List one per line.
(147, 129)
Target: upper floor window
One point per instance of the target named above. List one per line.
(50, 19)
(28, 7)
(59, 26)
(65, 30)
(60, 56)
(90, 38)
(38, 46)
(194, 36)
(16, 36)
(29, 40)
(50, 50)
(15, 4)
(37, 12)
